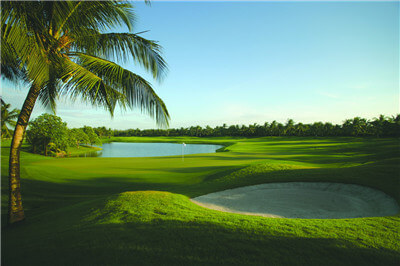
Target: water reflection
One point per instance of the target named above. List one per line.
(89, 154)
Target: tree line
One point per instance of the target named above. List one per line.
(49, 135)
(382, 126)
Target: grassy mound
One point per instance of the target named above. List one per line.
(140, 206)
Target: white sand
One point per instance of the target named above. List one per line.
(302, 200)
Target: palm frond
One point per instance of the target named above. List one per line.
(9, 63)
(134, 91)
(124, 47)
(102, 15)
(50, 90)
(21, 43)
(80, 82)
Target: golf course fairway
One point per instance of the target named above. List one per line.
(138, 211)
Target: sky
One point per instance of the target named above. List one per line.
(254, 62)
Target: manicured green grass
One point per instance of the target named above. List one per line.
(137, 211)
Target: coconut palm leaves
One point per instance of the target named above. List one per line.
(113, 85)
(23, 47)
(122, 47)
(8, 119)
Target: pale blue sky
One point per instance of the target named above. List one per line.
(252, 62)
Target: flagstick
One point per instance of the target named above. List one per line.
(183, 154)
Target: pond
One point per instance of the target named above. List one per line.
(129, 149)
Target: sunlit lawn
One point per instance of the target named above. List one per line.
(128, 211)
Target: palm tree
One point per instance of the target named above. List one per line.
(273, 128)
(328, 129)
(379, 125)
(7, 119)
(359, 126)
(347, 127)
(300, 129)
(60, 49)
(289, 127)
(317, 129)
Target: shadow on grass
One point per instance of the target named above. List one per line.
(172, 242)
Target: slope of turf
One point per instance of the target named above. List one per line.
(127, 211)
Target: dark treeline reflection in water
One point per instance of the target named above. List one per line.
(126, 149)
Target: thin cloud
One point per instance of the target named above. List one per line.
(327, 94)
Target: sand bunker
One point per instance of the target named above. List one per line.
(302, 200)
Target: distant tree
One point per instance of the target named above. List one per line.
(300, 129)
(347, 127)
(317, 129)
(233, 130)
(359, 126)
(289, 128)
(78, 136)
(273, 128)
(378, 125)
(8, 118)
(392, 128)
(103, 132)
(260, 130)
(109, 133)
(47, 132)
(93, 138)
(355, 127)
(281, 129)
(208, 131)
(251, 130)
(328, 129)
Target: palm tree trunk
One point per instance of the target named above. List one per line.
(15, 209)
